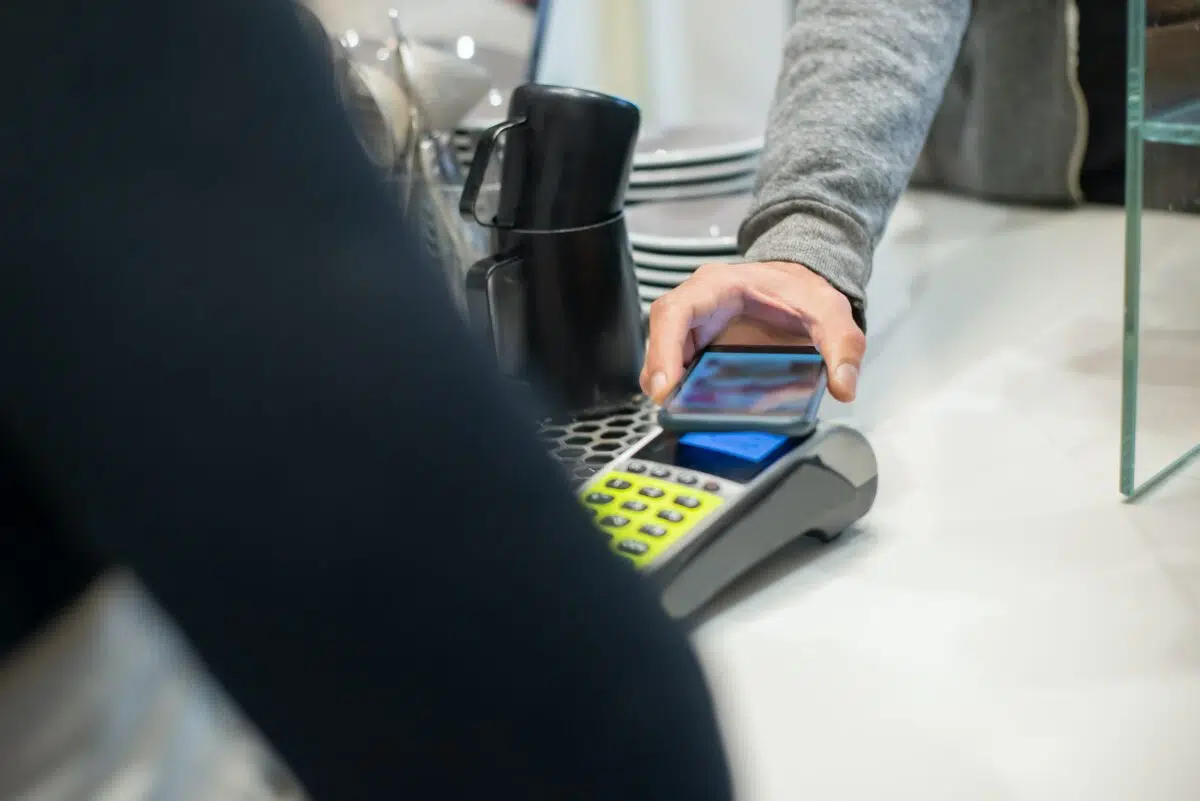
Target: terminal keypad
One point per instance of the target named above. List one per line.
(645, 509)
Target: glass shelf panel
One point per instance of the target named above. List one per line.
(1179, 126)
(1160, 421)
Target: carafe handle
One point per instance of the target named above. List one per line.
(497, 314)
(468, 204)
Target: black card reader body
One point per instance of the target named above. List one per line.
(696, 511)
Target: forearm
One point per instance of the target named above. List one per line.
(860, 83)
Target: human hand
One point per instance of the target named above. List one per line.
(761, 303)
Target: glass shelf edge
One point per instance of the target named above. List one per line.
(1177, 126)
(1171, 133)
(1134, 492)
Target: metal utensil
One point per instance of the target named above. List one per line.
(448, 86)
(378, 108)
(432, 172)
(422, 129)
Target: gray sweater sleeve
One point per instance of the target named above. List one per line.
(860, 84)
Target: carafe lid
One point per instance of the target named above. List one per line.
(566, 161)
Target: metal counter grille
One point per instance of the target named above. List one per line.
(586, 443)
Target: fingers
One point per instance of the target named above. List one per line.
(682, 322)
(841, 342)
(788, 299)
(670, 330)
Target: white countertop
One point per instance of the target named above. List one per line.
(1002, 625)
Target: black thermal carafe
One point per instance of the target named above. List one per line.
(558, 300)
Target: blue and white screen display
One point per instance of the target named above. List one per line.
(749, 446)
(750, 383)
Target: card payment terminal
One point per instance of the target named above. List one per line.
(694, 511)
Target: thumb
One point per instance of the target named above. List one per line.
(842, 345)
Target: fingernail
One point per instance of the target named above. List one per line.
(658, 384)
(847, 377)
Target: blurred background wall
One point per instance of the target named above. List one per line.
(681, 60)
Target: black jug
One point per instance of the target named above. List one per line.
(558, 301)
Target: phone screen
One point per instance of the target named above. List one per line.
(778, 382)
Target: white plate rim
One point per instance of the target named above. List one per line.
(697, 155)
(679, 263)
(734, 168)
(689, 191)
(669, 245)
(653, 277)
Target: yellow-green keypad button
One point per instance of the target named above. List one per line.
(643, 516)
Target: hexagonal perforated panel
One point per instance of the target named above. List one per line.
(587, 442)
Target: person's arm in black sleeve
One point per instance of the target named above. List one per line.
(228, 369)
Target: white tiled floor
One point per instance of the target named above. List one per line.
(1002, 626)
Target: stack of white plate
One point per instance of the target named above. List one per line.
(694, 161)
(671, 239)
(507, 71)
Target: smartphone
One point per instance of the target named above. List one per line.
(774, 389)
